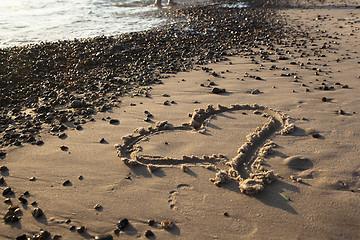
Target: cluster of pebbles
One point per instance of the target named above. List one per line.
(62, 84)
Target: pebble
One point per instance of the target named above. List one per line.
(21, 237)
(37, 212)
(255, 91)
(151, 222)
(23, 200)
(32, 179)
(64, 148)
(103, 140)
(114, 121)
(7, 191)
(2, 180)
(149, 234)
(218, 90)
(67, 183)
(123, 223)
(104, 237)
(166, 224)
(81, 229)
(97, 206)
(3, 169)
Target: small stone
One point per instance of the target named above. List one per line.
(37, 212)
(103, 140)
(226, 214)
(32, 179)
(62, 135)
(166, 103)
(81, 229)
(72, 228)
(166, 95)
(3, 169)
(104, 237)
(315, 135)
(123, 223)
(81, 177)
(2, 180)
(345, 86)
(217, 90)
(147, 119)
(67, 183)
(56, 236)
(117, 231)
(7, 201)
(2, 153)
(166, 224)
(34, 204)
(27, 194)
(7, 191)
(151, 222)
(324, 99)
(149, 234)
(22, 237)
(255, 91)
(341, 112)
(23, 200)
(114, 121)
(68, 221)
(64, 148)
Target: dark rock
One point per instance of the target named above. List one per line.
(103, 140)
(2, 153)
(64, 148)
(23, 200)
(315, 135)
(7, 191)
(81, 229)
(67, 183)
(3, 169)
(151, 222)
(114, 121)
(123, 223)
(37, 212)
(22, 237)
(77, 104)
(324, 99)
(62, 136)
(149, 234)
(217, 90)
(255, 91)
(78, 127)
(2, 180)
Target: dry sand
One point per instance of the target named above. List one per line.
(316, 196)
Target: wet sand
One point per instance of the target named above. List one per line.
(311, 80)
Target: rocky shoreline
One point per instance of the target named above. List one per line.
(64, 83)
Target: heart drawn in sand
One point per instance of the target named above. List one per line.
(245, 168)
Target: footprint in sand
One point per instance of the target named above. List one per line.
(246, 167)
(174, 193)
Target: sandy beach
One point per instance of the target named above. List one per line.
(260, 143)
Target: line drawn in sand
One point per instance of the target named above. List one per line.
(245, 168)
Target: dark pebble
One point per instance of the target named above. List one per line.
(226, 214)
(7, 191)
(341, 112)
(80, 229)
(37, 212)
(149, 234)
(345, 86)
(114, 121)
(3, 169)
(64, 148)
(151, 222)
(2, 153)
(217, 90)
(72, 228)
(315, 135)
(23, 200)
(104, 237)
(123, 223)
(62, 135)
(103, 140)
(2, 180)
(78, 127)
(147, 119)
(22, 237)
(67, 183)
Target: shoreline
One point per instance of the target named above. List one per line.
(107, 162)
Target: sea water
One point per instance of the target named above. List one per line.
(32, 21)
